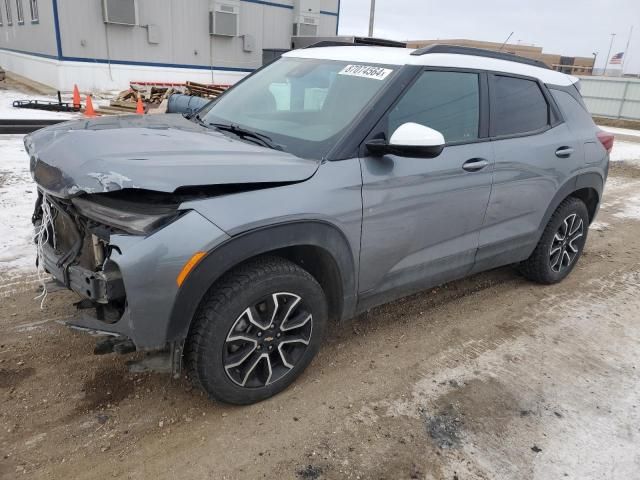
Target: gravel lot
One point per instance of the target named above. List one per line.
(489, 377)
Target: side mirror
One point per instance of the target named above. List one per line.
(410, 140)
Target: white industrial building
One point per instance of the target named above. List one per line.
(105, 44)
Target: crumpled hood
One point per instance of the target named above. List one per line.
(152, 152)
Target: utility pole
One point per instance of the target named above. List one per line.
(371, 17)
(606, 60)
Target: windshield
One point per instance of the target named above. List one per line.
(303, 105)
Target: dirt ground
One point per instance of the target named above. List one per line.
(489, 377)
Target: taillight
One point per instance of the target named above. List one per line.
(606, 139)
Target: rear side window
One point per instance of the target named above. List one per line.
(518, 106)
(445, 101)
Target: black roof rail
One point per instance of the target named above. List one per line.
(380, 42)
(358, 41)
(478, 52)
(330, 43)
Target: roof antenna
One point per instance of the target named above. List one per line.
(505, 42)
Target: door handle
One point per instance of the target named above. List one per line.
(564, 152)
(474, 164)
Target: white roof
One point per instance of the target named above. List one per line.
(402, 56)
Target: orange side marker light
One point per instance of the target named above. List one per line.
(190, 265)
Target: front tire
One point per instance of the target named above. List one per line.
(561, 244)
(256, 331)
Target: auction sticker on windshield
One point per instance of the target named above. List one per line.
(366, 71)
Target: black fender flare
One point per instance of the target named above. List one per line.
(252, 243)
(585, 180)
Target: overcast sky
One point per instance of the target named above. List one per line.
(567, 27)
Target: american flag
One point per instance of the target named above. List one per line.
(617, 59)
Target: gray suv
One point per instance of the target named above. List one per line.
(328, 182)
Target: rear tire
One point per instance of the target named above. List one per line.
(561, 244)
(256, 331)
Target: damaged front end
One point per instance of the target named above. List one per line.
(105, 247)
(121, 211)
(77, 250)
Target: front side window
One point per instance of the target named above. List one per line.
(448, 102)
(33, 5)
(7, 6)
(518, 106)
(305, 105)
(19, 11)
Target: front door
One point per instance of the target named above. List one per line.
(421, 216)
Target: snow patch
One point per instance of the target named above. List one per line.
(17, 190)
(599, 226)
(620, 131)
(625, 151)
(630, 209)
(17, 198)
(7, 110)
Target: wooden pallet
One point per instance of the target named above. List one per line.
(153, 95)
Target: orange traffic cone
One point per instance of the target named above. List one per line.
(89, 111)
(139, 107)
(76, 96)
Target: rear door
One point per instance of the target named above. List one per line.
(421, 216)
(535, 153)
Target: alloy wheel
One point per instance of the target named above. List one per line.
(267, 340)
(565, 246)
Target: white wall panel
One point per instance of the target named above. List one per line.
(612, 97)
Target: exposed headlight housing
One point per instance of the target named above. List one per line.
(131, 217)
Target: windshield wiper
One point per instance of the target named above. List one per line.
(241, 132)
(195, 117)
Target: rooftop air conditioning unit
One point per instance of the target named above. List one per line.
(224, 19)
(306, 26)
(121, 12)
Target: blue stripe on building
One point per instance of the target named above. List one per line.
(156, 64)
(56, 26)
(269, 4)
(129, 62)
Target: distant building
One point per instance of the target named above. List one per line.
(104, 44)
(571, 65)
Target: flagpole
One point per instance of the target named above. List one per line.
(372, 15)
(626, 49)
(608, 59)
